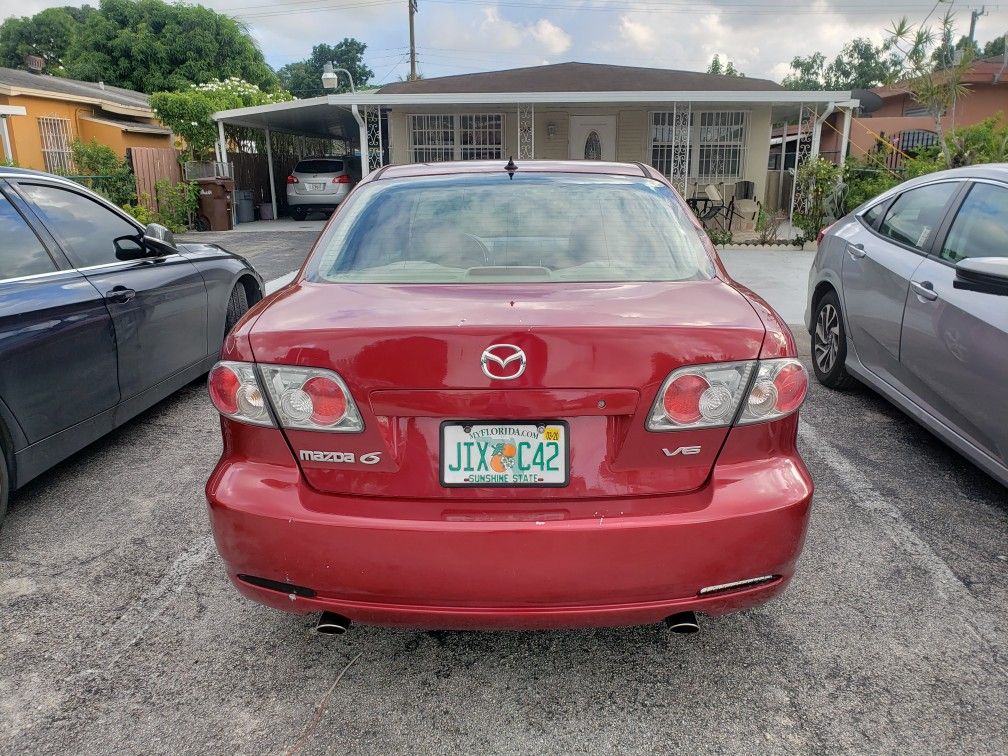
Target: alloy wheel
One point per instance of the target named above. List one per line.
(827, 338)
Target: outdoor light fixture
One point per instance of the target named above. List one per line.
(330, 80)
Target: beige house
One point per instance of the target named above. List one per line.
(698, 129)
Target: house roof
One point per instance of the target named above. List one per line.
(15, 81)
(581, 77)
(124, 125)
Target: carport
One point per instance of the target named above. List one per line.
(348, 118)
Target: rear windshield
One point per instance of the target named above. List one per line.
(318, 166)
(489, 227)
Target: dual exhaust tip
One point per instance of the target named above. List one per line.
(330, 623)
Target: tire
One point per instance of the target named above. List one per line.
(201, 223)
(298, 213)
(4, 487)
(829, 344)
(237, 306)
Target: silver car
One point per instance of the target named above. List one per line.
(317, 184)
(909, 294)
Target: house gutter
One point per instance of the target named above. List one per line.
(365, 156)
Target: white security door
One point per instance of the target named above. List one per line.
(592, 138)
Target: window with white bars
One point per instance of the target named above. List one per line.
(55, 134)
(466, 136)
(706, 146)
(721, 145)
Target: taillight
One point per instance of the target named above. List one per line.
(779, 390)
(708, 396)
(293, 180)
(344, 179)
(700, 396)
(311, 399)
(236, 393)
(822, 233)
(305, 398)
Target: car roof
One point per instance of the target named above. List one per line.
(11, 171)
(459, 167)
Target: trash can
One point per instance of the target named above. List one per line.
(265, 211)
(215, 197)
(244, 206)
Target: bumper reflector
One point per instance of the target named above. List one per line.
(737, 584)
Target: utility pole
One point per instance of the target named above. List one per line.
(974, 15)
(412, 40)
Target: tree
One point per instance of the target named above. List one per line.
(861, 64)
(304, 77)
(151, 45)
(187, 112)
(728, 69)
(807, 72)
(934, 81)
(47, 34)
(994, 48)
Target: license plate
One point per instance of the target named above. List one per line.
(316, 187)
(504, 454)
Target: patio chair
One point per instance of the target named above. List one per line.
(744, 204)
(712, 207)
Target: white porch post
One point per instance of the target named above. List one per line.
(845, 135)
(780, 170)
(362, 128)
(222, 141)
(8, 155)
(272, 180)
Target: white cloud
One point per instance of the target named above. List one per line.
(550, 36)
(638, 35)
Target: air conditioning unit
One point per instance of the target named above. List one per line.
(34, 63)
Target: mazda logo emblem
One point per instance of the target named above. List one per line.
(507, 359)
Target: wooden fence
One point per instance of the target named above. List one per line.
(150, 165)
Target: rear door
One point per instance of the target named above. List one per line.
(57, 343)
(877, 268)
(955, 341)
(158, 305)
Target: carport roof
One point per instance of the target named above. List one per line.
(332, 115)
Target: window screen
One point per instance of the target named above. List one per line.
(980, 229)
(21, 253)
(916, 213)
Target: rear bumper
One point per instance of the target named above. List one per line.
(316, 200)
(748, 521)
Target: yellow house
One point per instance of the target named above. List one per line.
(57, 111)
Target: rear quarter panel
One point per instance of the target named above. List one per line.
(220, 270)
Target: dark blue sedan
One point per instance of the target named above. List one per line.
(100, 318)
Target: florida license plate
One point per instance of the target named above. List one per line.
(504, 454)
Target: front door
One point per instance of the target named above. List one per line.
(592, 138)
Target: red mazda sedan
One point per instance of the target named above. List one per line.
(518, 396)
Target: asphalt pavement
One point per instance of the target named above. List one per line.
(119, 632)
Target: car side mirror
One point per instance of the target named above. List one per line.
(129, 247)
(158, 241)
(987, 275)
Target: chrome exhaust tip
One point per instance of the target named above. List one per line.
(331, 623)
(684, 623)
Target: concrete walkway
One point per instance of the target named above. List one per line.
(778, 274)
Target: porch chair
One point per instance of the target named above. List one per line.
(744, 204)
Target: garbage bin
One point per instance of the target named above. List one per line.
(265, 211)
(215, 197)
(244, 206)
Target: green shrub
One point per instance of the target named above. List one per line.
(142, 213)
(177, 204)
(817, 181)
(99, 168)
(719, 236)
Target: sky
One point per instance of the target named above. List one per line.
(459, 36)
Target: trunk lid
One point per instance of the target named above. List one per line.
(596, 354)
